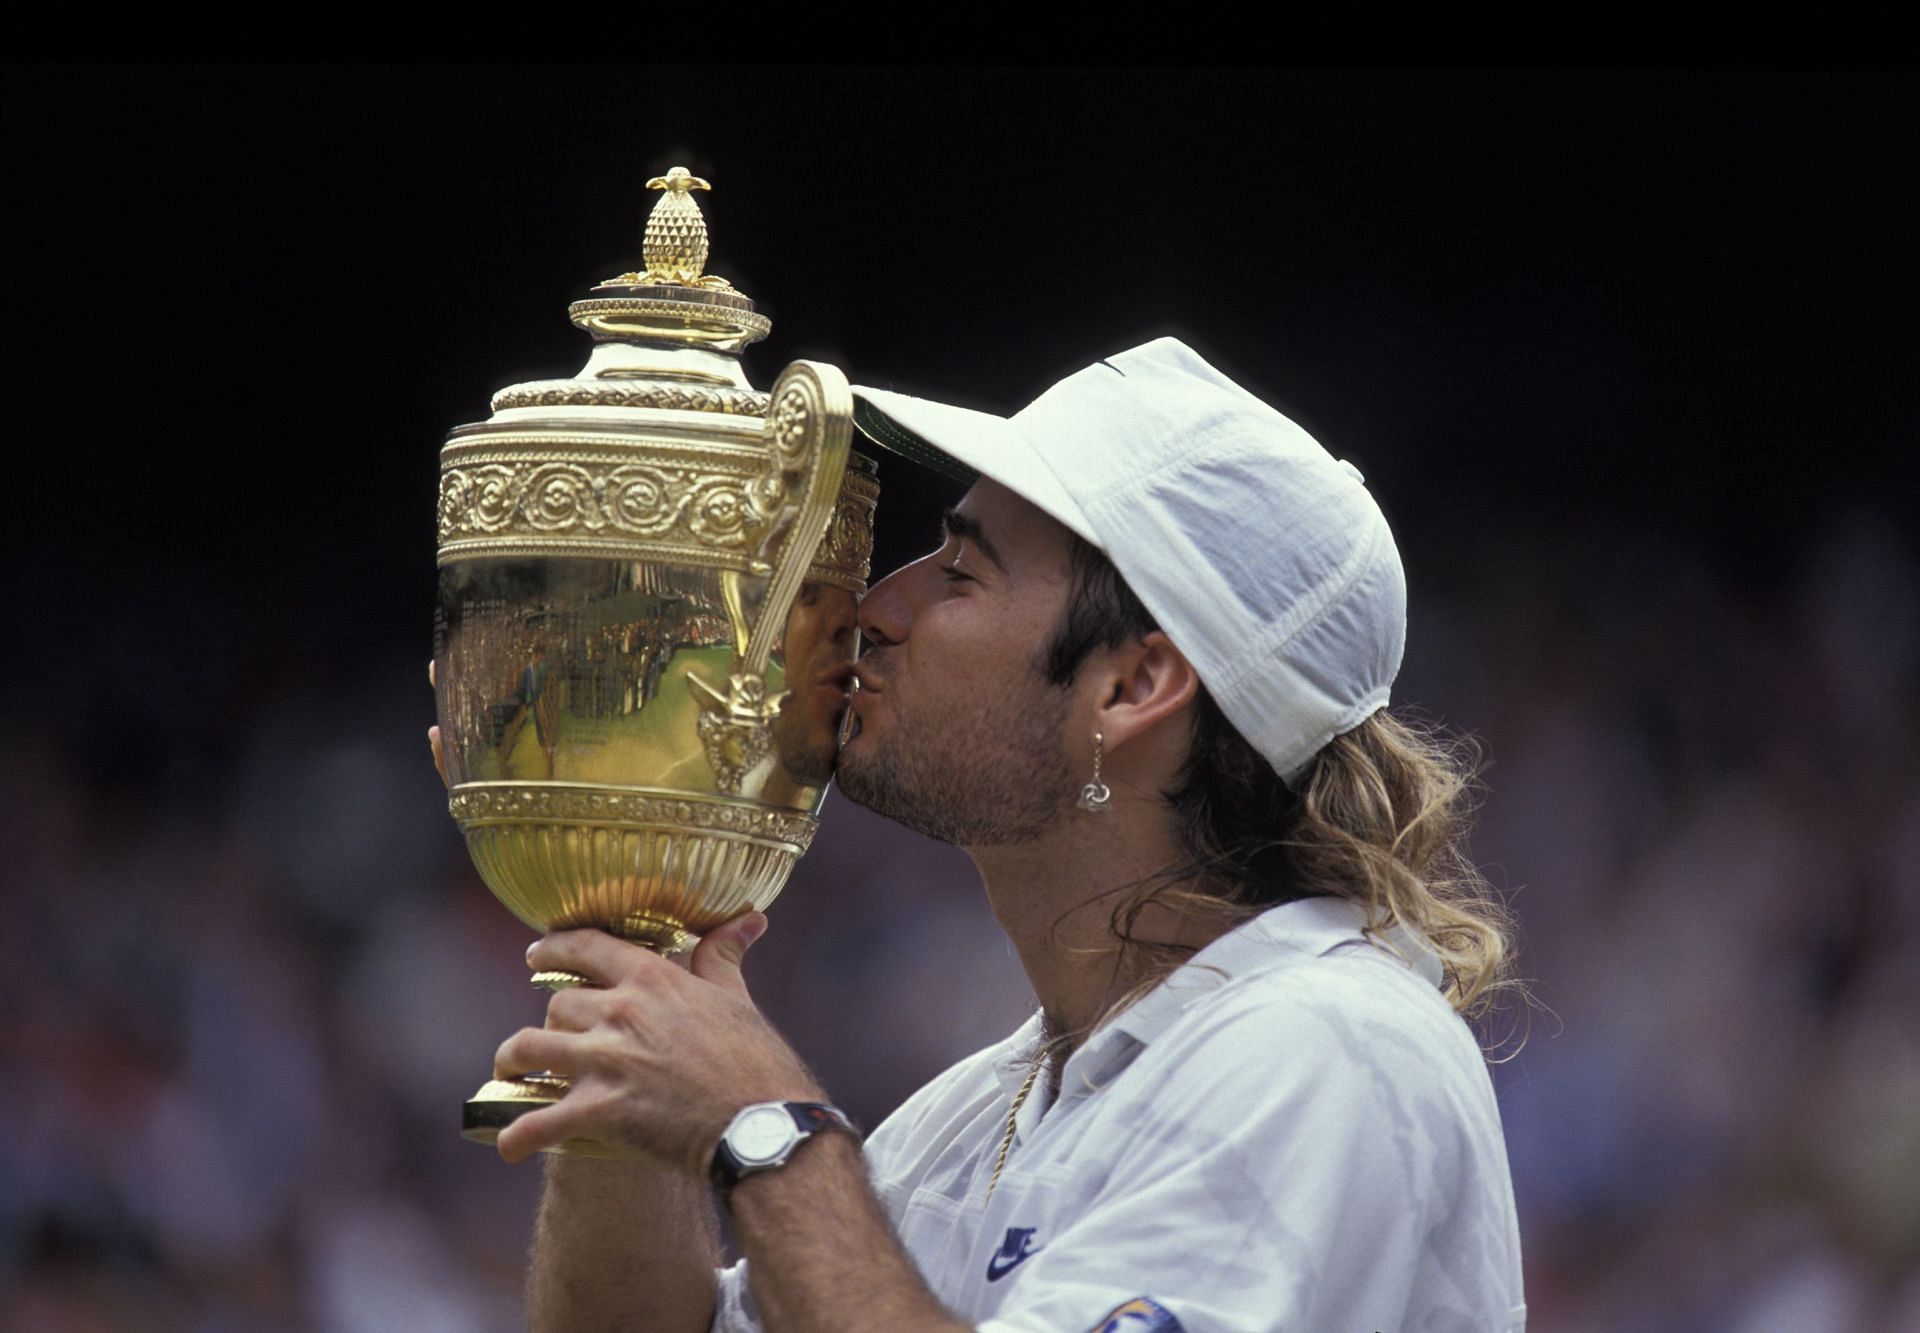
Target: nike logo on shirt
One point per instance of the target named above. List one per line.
(1015, 1250)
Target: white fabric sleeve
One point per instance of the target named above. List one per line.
(1296, 1168)
(733, 1308)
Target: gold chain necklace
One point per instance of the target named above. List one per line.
(1013, 1112)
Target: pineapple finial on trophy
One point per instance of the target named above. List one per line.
(675, 243)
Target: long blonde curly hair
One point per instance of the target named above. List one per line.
(1382, 819)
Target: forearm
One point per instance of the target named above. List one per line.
(821, 1253)
(618, 1238)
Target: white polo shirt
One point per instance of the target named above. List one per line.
(1293, 1131)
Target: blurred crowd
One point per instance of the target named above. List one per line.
(244, 1004)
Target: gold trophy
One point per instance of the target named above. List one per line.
(645, 633)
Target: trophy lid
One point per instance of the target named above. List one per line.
(656, 449)
(675, 300)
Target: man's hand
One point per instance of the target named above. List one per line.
(433, 732)
(660, 1057)
(661, 1054)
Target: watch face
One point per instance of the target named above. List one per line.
(762, 1134)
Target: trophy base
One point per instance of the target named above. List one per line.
(500, 1102)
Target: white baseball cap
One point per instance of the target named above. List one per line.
(1263, 557)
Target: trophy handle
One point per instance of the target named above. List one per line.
(809, 432)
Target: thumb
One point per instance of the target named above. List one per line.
(439, 752)
(717, 957)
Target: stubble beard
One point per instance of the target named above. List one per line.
(806, 757)
(991, 779)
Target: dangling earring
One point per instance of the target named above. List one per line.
(1094, 796)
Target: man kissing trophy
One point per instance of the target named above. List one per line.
(1143, 681)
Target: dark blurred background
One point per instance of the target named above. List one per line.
(1629, 359)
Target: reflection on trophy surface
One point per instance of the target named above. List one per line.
(821, 642)
(645, 634)
(600, 669)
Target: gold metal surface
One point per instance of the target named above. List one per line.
(646, 393)
(656, 312)
(844, 558)
(658, 867)
(666, 495)
(648, 580)
(502, 1101)
(573, 492)
(675, 245)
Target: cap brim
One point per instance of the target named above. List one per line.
(967, 445)
(888, 433)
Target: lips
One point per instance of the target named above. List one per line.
(866, 676)
(866, 686)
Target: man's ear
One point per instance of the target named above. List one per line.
(1147, 683)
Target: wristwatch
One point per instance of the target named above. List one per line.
(763, 1136)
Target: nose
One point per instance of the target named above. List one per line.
(887, 611)
(842, 617)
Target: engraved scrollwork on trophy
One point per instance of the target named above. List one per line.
(494, 496)
(724, 512)
(715, 323)
(848, 546)
(787, 436)
(736, 728)
(628, 808)
(648, 394)
(789, 423)
(720, 512)
(559, 497)
(456, 503)
(646, 501)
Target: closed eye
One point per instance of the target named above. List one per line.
(952, 571)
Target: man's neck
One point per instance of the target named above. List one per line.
(1061, 897)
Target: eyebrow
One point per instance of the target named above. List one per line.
(960, 525)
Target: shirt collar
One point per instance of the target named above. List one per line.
(1312, 927)
(1013, 1059)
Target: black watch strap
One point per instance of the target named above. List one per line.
(812, 1117)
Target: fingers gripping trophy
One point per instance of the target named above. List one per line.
(645, 632)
